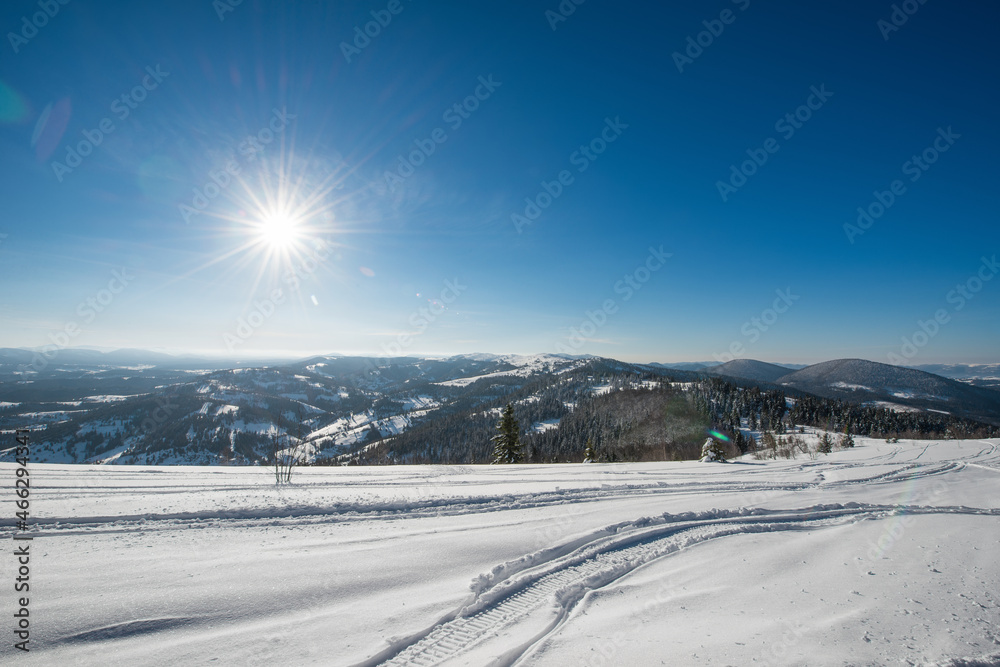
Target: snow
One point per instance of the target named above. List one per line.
(895, 407)
(906, 393)
(419, 403)
(546, 425)
(882, 554)
(526, 366)
(55, 415)
(465, 382)
(848, 385)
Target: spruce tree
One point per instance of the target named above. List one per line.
(589, 455)
(847, 440)
(825, 443)
(507, 445)
(713, 451)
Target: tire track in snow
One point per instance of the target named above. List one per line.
(510, 604)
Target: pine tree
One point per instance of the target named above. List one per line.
(507, 447)
(825, 443)
(589, 455)
(769, 442)
(740, 443)
(713, 451)
(847, 440)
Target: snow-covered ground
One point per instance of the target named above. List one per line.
(887, 554)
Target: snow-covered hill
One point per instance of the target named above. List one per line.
(862, 380)
(408, 409)
(328, 406)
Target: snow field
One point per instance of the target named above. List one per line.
(884, 554)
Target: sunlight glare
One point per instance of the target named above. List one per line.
(279, 230)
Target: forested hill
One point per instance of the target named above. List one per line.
(413, 410)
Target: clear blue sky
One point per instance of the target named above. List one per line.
(174, 92)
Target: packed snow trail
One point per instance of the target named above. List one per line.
(541, 590)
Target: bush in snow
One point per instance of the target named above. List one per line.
(712, 451)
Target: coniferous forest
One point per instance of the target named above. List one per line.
(666, 421)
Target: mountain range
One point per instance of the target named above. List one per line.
(131, 406)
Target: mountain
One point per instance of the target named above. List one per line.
(978, 375)
(333, 405)
(750, 369)
(435, 410)
(860, 380)
(963, 371)
(74, 358)
(686, 365)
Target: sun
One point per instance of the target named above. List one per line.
(279, 230)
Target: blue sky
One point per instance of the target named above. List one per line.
(444, 260)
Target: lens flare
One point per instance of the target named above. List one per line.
(718, 436)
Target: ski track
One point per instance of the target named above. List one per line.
(347, 511)
(541, 589)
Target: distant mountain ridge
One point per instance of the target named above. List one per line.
(190, 412)
(750, 369)
(962, 371)
(860, 380)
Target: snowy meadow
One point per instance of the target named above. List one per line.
(881, 554)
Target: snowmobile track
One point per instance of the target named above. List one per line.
(541, 590)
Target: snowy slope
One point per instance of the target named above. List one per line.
(884, 554)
